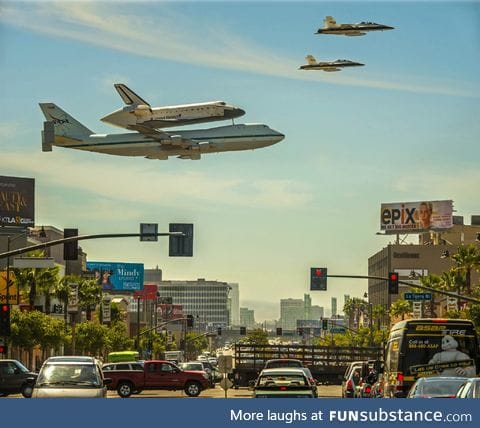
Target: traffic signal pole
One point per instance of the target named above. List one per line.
(83, 238)
(422, 287)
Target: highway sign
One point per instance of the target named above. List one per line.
(417, 296)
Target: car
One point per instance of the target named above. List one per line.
(282, 383)
(128, 365)
(200, 366)
(436, 387)
(351, 379)
(470, 389)
(15, 378)
(282, 362)
(70, 377)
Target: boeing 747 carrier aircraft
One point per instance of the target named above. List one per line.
(62, 130)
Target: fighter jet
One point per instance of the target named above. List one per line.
(62, 130)
(359, 29)
(138, 112)
(328, 65)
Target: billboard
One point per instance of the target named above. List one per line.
(117, 276)
(17, 202)
(416, 217)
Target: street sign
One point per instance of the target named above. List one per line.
(225, 363)
(106, 309)
(337, 330)
(417, 296)
(226, 383)
(72, 307)
(417, 309)
(148, 232)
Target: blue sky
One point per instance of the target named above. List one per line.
(403, 128)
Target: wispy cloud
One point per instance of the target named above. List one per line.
(104, 24)
(188, 189)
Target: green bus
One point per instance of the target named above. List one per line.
(120, 356)
(429, 347)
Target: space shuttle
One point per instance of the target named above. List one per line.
(139, 113)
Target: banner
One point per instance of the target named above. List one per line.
(118, 276)
(416, 217)
(17, 202)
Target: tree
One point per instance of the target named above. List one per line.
(467, 259)
(33, 280)
(91, 338)
(400, 308)
(256, 337)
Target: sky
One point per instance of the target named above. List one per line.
(403, 128)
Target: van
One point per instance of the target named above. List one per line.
(122, 356)
(429, 347)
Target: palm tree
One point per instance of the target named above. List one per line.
(400, 308)
(33, 280)
(467, 259)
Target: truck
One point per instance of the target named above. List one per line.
(326, 363)
(157, 374)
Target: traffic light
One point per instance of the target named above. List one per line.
(189, 320)
(325, 324)
(3, 349)
(279, 331)
(318, 279)
(181, 246)
(392, 283)
(243, 331)
(70, 249)
(4, 320)
(219, 331)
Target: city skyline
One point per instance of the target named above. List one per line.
(402, 128)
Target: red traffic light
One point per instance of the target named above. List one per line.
(394, 276)
(5, 308)
(319, 272)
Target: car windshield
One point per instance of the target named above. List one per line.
(276, 380)
(69, 374)
(21, 367)
(442, 387)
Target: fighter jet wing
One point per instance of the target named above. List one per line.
(162, 137)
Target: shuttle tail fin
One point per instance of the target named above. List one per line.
(128, 96)
(64, 125)
(311, 60)
(329, 22)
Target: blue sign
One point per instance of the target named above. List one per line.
(418, 296)
(337, 330)
(118, 276)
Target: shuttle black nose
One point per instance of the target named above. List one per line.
(233, 113)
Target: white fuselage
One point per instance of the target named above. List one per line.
(162, 117)
(219, 139)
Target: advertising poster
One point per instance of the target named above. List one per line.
(17, 202)
(118, 276)
(416, 217)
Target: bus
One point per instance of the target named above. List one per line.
(122, 356)
(429, 347)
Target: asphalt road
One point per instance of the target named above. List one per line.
(331, 391)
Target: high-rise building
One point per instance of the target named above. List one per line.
(234, 304)
(247, 318)
(334, 307)
(206, 300)
(291, 310)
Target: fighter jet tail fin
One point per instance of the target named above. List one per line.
(128, 96)
(64, 125)
(311, 60)
(329, 21)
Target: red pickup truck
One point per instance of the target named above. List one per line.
(157, 374)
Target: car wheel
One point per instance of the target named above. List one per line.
(192, 389)
(27, 391)
(125, 389)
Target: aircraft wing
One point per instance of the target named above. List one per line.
(162, 137)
